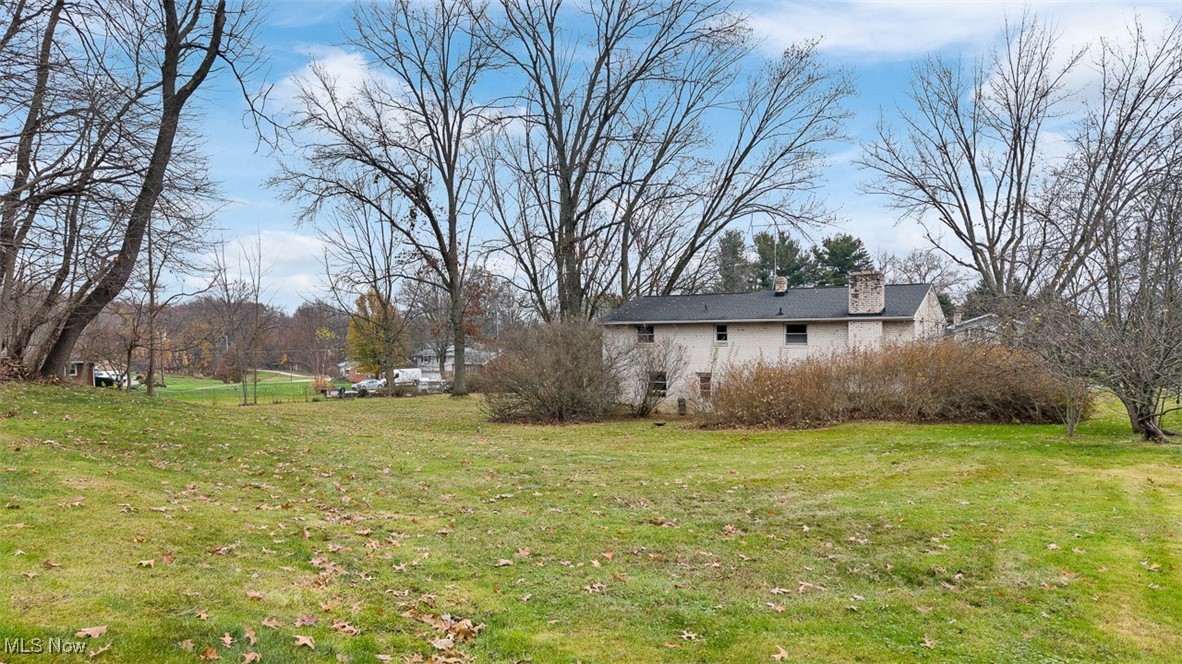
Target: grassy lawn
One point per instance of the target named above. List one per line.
(273, 387)
(174, 524)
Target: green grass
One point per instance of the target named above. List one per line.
(273, 387)
(993, 543)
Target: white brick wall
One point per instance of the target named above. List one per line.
(747, 342)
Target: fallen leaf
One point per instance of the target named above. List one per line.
(91, 632)
(249, 657)
(444, 643)
(210, 653)
(249, 634)
(271, 622)
(780, 654)
(186, 645)
(670, 645)
(306, 620)
(304, 641)
(927, 642)
(146, 563)
(254, 595)
(503, 563)
(227, 639)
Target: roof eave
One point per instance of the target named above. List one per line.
(777, 319)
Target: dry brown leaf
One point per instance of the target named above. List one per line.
(304, 641)
(227, 639)
(186, 645)
(249, 657)
(210, 653)
(146, 563)
(927, 642)
(444, 643)
(780, 654)
(91, 632)
(306, 620)
(249, 635)
(271, 622)
(254, 595)
(503, 563)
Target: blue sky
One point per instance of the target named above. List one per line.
(877, 41)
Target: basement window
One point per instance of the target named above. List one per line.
(658, 383)
(645, 334)
(705, 387)
(796, 335)
(720, 334)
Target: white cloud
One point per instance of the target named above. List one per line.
(291, 265)
(899, 29)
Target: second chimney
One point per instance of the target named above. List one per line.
(867, 292)
(780, 286)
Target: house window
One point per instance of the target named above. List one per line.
(720, 334)
(658, 383)
(796, 335)
(704, 386)
(644, 334)
(74, 368)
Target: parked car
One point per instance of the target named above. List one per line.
(369, 385)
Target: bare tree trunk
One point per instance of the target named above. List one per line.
(116, 275)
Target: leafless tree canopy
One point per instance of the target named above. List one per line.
(610, 183)
(93, 118)
(409, 133)
(970, 160)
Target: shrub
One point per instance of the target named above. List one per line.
(944, 381)
(553, 372)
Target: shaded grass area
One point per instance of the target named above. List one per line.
(596, 543)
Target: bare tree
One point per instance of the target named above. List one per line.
(922, 266)
(98, 120)
(969, 161)
(1118, 320)
(610, 186)
(410, 131)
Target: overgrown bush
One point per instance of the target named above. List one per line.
(944, 381)
(556, 372)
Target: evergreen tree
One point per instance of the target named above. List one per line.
(734, 270)
(780, 256)
(837, 257)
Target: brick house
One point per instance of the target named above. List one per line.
(351, 371)
(721, 330)
(81, 372)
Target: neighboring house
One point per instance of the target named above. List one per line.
(722, 330)
(474, 360)
(351, 371)
(81, 372)
(979, 328)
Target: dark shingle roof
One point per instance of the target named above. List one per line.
(902, 301)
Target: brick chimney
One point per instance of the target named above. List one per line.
(867, 292)
(780, 286)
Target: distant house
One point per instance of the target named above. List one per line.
(474, 359)
(979, 328)
(81, 372)
(351, 371)
(723, 330)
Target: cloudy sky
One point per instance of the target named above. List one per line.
(878, 42)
